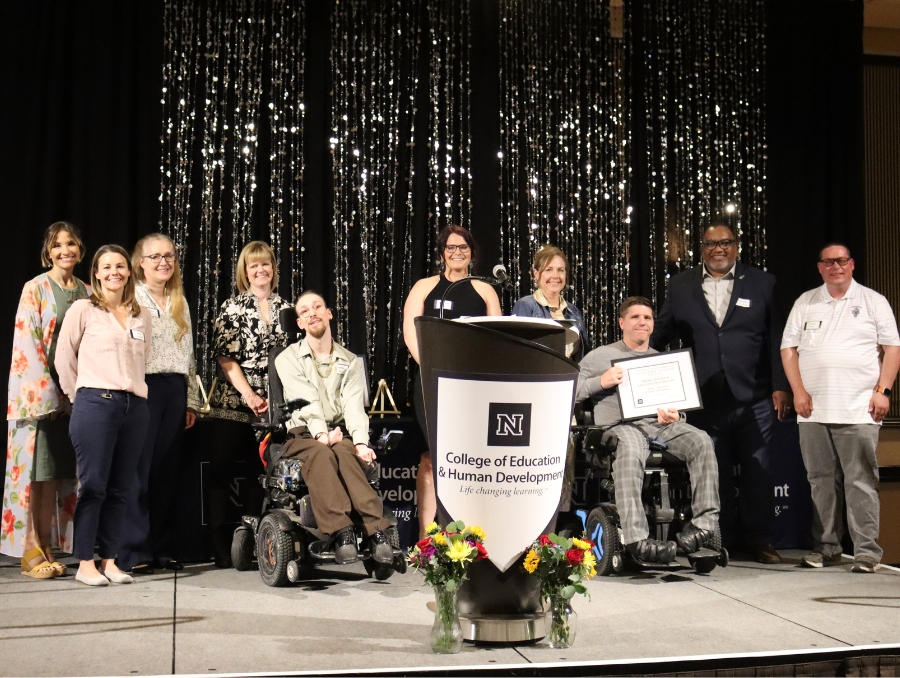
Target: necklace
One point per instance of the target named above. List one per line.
(330, 363)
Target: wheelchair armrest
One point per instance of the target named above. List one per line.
(387, 442)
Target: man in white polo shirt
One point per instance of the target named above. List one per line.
(841, 353)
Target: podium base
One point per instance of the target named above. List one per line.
(504, 628)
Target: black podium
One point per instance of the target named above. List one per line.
(498, 402)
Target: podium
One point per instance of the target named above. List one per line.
(498, 395)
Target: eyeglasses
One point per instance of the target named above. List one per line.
(842, 261)
(462, 248)
(156, 258)
(304, 312)
(713, 244)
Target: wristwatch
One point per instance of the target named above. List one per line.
(883, 390)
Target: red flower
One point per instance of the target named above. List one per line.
(14, 473)
(482, 552)
(423, 543)
(544, 540)
(8, 520)
(25, 497)
(69, 505)
(574, 556)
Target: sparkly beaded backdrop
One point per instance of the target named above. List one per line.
(622, 130)
(564, 150)
(704, 150)
(232, 84)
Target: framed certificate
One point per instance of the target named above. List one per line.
(666, 380)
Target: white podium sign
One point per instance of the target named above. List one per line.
(501, 455)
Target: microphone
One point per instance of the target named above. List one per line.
(502, 277)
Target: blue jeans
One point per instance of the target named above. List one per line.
(107, 431)
(741, 434)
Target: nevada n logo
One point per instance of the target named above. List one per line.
(509, 425)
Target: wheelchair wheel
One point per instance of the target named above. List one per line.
(380, 571)
(601, 528)
(242, 549)
(716, 542)
(274, 549)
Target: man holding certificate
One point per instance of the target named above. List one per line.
(654, 386)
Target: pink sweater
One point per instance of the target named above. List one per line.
(94, 351)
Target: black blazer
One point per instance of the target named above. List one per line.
(745, 350)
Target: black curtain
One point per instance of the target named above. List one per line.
(82, 120)
(814, 117)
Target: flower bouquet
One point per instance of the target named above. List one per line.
(561, 565)
(444, 556)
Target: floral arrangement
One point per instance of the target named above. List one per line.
(561, 565)
(443, 556)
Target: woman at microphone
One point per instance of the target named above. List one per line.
(550, 269)
(458, 253)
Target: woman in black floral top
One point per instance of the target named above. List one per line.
(246, 329)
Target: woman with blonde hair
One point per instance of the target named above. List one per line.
(172, 399)
(246, 329)
(103, 348)
(550, 270)
(39, 488)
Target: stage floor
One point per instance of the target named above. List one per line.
(213, 621)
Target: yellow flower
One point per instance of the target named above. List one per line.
(459, 550)
(432, 528)
(531, 561)
(440, 539)
(578, 543)
(475, 531)
(588, 564)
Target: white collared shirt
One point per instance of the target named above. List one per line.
(718, 292)
(838, 340)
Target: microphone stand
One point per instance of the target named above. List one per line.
(488, 280)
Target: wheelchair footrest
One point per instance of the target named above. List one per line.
(321, 550)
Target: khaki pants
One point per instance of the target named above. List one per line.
(336, 478)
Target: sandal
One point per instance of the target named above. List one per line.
(58, 566)
(36, 566)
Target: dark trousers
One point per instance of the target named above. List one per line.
(741, 434)
(228, 442)
(149, 524)
(107, 430)
(336, 478)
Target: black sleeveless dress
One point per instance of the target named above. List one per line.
(463, 301)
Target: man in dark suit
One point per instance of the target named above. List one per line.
(724, 311)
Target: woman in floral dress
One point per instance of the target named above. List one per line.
(39, 490)
(246, 329)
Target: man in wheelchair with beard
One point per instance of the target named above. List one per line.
(335, 468)
(598, 382)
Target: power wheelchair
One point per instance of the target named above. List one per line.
(284, 538)
(666, 496)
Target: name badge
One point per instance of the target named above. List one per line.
(812, 325)
(745, 303)
(137, 334)
(448, 305)
(342, 368)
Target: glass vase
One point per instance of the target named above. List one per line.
(563, 623)
(446, 634)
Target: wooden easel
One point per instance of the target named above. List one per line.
(378, 401)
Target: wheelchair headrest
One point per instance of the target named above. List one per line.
(287, 318)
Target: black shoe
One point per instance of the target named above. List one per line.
(691, 539)
(653, 551)
(381, 548)
(173, 565)
(345, 546)
(223, 562)
(142, 568)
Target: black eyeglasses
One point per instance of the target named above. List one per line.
(713, 244)
(841, 261)
(156, 258)
(452, 248)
